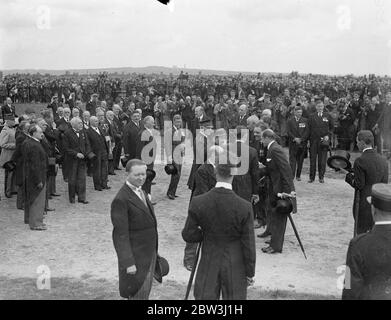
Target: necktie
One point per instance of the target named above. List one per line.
(140, 194)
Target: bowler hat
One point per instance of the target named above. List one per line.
(162, 268)
(9, 166)
(284, 206)
(340, 160)
(171, 169)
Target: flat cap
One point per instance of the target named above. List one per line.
(381, 196)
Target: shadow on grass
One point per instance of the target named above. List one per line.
(88, 288)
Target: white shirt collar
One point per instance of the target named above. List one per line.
(382, 223)
(224, 185)
(370, 148)
(132, 187)
(268, 146)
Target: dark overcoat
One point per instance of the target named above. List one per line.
(135, 238)
(224, 223)
(370, 168)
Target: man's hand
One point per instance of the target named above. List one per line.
(254, 198)
(80, 156)
(326, 138)
(131, 270)
(293, 194)
(40, 185)
(250, 281)
(297, 140)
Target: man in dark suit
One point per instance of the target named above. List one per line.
(281, 178)
(346, 127)
(241, 118)
(321, 125)
(370, 168)
(135, 235)
(117, 137)
(148, 148)
(298, 133)
(199, 120)
(245, 181)
(35, 175)
(175, 151)
(368, 261)
(54, 105)
(100, 149)
(384, 124)
(63, 124)
(92, 104)
(131, 136)
(77, 148)
(223, 222)
(51, 136)
(8, 109)
(187, 114)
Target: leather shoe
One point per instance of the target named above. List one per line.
(153, 203)
(321, 180)
(72, 201)
(176, 196)
(40, 228)
(98, 189)
(269, 250)
(83, 201)
(50, 209)
(310, 181)
(298, 179)
(268, 241)
(112, 174)
(107, 188)
(264, 235)
(170, 196)
(55, 195)
(188, 267)
(153, 183)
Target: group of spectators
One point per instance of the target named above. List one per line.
(99, 108)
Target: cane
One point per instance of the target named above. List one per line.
(287, 195)
(193, 271)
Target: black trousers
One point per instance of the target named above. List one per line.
(317, 152)
(147, 186)
(77, 179)
(296, 158)
(117, 154)
(277, 229)
(100, 171)
(174, 180)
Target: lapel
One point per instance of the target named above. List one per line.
(136, 201)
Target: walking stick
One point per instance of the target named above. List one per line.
(286, 195)
(193, 271)
(297, 235)
(356, 208)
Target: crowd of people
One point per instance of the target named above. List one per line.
(95, 126)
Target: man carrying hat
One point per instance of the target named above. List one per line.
(368, 262)
(370, 168)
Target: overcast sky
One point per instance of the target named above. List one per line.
(318, 36)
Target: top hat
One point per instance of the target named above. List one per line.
(162, 268)
(170, 169)
(340, 160)
(284, 206)
(151, 174)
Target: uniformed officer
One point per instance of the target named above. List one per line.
(368, 262)
(321, 126)
(298, 132)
